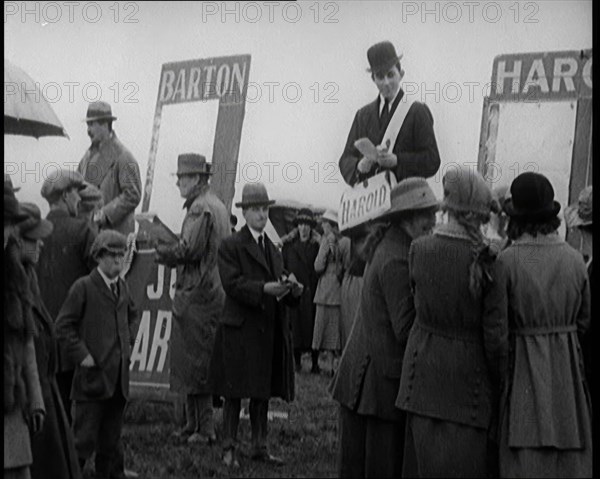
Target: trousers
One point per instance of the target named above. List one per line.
(258, 422)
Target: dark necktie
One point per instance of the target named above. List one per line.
(114, 287)
(385, 114)
(265, 251)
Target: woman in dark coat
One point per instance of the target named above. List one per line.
(546, 409)
(366, 384)
(456, 348)
(54, 455)
(299, 258)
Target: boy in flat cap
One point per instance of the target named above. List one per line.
(97, 325)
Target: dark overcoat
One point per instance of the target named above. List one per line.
(253, 354)
(64, 258)
(299, 258)
(415, 147)
(368, 376)
(115, 172)
(53, 448)
(92, 321)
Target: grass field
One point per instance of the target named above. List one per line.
(307, 440)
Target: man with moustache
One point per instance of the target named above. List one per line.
(110, 167)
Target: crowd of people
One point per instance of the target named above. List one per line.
(457, 329)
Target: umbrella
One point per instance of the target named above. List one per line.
(283, 212)
(26, 111)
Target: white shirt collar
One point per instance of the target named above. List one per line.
(382, 100)
(107, 280)
(255, 234)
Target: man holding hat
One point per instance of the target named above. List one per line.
(402, 130)
(65, 258)
(199, 296)
(97, 326)
(253, 355)
(109, 166)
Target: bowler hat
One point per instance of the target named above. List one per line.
(53, 186)
(411, 194)
(532, 198)
(305, 216)
(466, 191)
(254, 194)
(99, 110)
(193, 164)
(34, 227)
(382, 56)
(8, 179)
(13, 212)
(580, 213)
(331, 216)
(110, 241)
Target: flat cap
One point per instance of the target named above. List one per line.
(34, 227)
(54, 185)
(110, 241)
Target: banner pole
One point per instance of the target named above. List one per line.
(152, 157)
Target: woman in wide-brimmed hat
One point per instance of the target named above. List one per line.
(23, 403)
(453, 359)
(53, 448)
(545, 413)
(329, 265)
(366, 384)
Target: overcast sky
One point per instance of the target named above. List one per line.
(307, 78)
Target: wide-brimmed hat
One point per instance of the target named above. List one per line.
(580, 213)
(331, 216)
(193, 164)
(99, 110)
(409, 195)
(110, 241)
(34, 227)
(64, 179)
(13, 212)
(532, 198)
(8, 179)
(382, 56)
(466, 191)
(254, 194)
(305, 216)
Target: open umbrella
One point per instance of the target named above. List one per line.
(26, 111)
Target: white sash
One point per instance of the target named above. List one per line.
(393, 128)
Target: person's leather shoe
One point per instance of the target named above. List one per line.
(264, 456)
(229, 459)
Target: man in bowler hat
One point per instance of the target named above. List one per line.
(199, 296)
(109, 166)
(253, 354)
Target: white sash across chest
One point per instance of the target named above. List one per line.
(396, 122)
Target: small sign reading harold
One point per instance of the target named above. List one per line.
(366, 201)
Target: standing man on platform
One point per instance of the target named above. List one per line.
(109, 166)
(199, 296)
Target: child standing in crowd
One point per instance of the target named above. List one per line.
(453, 361)
(97, 324)
(546, 412)
(329, 264)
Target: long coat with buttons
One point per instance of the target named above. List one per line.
(253, 353)
(368, 376)
(457, 350)
(92, 321)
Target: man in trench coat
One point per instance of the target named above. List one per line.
(253, 354)
(198, 297)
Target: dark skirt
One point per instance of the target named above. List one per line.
(438, 448)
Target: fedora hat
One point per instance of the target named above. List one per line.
(34, 227)
(99, 110)
(532, 198)
(466, 191)
(305, 216)
(254, 194)
(410, 194)
(331, 216)
(580, 213)
(110, 241)
(382, 56)
(13, 212)
(193, 164)
(53, 187)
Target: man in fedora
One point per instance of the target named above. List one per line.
(198, 297)
(412, 148)
(253, 355)
(109, 166)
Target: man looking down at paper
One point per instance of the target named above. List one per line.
(401, 129)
